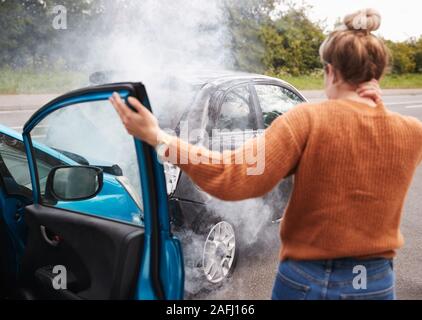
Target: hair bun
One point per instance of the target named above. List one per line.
(367, 19)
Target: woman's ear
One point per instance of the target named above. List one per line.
(330, 77)
(331, 73)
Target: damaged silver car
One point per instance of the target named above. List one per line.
(220, 111)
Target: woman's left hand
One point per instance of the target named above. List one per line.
(371, 90)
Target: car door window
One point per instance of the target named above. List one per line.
(274, 101)
(237, 111)
(92, 134)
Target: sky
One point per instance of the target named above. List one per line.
(402, 19)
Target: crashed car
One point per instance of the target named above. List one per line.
(236, 106)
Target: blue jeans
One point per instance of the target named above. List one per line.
(341, 279)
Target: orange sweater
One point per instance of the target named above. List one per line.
(353, 165)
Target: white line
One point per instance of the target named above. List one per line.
(37, 127)
(16, 111)
(414, 107)
(400, 103)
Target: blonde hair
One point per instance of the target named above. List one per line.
(353, 50)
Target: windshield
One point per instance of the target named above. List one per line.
(15, 162)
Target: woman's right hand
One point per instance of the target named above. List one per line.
(371, 90)
(141, 123)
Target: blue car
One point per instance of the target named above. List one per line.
(100, 226)
(117, 192)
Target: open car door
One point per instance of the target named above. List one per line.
(115, 243)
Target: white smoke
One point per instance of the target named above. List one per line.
(153, 41)
(156, 42)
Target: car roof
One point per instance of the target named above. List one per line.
(207, 76)
(195, 77)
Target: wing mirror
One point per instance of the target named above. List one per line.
(73, 183)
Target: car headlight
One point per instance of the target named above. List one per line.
(131, 191)
(172, 176)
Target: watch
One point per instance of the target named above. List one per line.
(164, 141)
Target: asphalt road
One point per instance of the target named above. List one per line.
(256, 267)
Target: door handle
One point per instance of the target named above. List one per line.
(52, 242)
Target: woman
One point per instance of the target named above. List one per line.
(353, 162)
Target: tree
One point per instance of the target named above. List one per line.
(28, 36)
(418, 55)
(403, 54)
(245, 20)
(292, 43)
(11, 20)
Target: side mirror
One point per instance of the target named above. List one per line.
(73, 183)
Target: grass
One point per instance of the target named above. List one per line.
(316, 82)
(307, 82)
(406, 81)
(31, 82)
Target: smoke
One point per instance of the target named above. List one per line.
(151, 36)
(160, 43)
(163, 44)
(256, 225)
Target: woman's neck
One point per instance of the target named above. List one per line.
(351, 94)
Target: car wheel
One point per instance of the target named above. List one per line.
(220, 253)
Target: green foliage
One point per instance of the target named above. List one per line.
(261, 39)
(418, 55)
(28, 37)
(292, 43)
(245, 19)
(403, 56)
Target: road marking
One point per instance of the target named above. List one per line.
(37, 128)
(414, 107)
(400, 103)
(16, 111)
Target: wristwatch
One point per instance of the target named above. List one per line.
(163, 144)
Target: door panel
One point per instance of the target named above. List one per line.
(101, 257)
(9, 243)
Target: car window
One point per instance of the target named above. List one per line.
(92, 134)
(237, 112)
(14, 164)
(274, 101)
